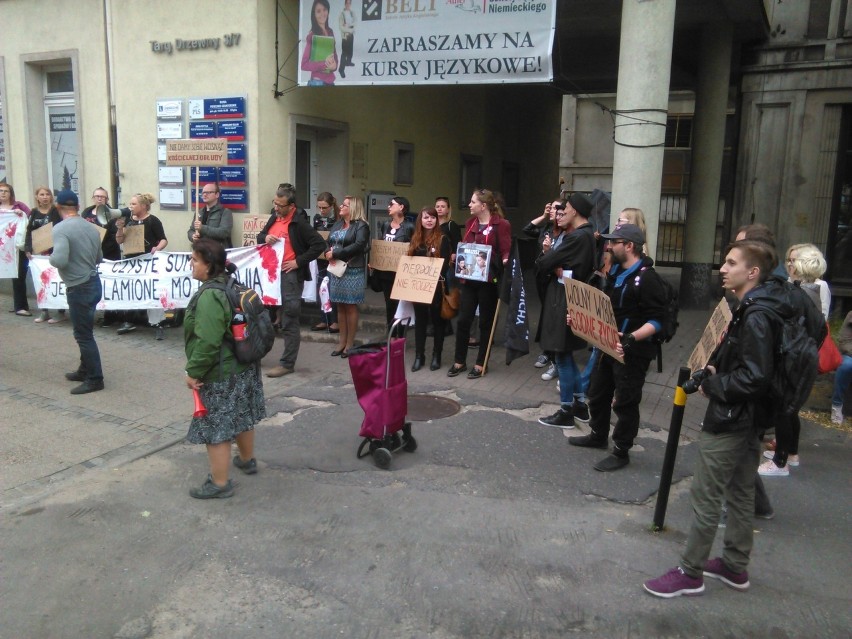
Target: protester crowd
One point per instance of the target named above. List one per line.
(332, 252)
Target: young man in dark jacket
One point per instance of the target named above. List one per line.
(302, 245)
(638, 299)
(740, 374)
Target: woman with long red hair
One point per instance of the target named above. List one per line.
(429, 241)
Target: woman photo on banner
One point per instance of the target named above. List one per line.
(320, 54)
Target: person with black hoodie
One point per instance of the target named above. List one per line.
(739, 378)
(638, 298)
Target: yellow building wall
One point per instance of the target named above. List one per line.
(511, 123)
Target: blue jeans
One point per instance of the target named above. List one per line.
(586, 375)
(568, 376)
(82, 301)
(841, 381)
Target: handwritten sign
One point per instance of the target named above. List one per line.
(416, 278)
(711, 336)
(252, 225)
(384, 255)
(43, 238)
(592, 317)
(197, 152)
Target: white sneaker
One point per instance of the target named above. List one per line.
(550, 373)
(769, 469)
(836, 414)
(792, 460)
(558, 388)
(542, 361)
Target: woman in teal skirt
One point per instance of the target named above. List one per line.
(349, 242)
(231, 392)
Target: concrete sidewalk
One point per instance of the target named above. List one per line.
(494, 527)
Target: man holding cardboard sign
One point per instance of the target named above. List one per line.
(638, 300)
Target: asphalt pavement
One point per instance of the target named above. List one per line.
(493, 527)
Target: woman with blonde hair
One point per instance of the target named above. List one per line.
(42, 214)
(348, 241)
(805, 264)
(155, 240)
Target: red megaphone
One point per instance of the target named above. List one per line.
(200, 409)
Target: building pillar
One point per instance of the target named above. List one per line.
(644, 71)
(708, 145)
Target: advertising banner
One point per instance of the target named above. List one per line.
(425, 42)
(163, 280)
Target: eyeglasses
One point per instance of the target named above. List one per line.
(323, 207)
(209, 192)
(790, 260)
(281, 206)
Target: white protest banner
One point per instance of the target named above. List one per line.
(8, 252)
(592, 317)
(416, 278)
(163, 280)
(427, 42)
(384, 255)
(711, 336)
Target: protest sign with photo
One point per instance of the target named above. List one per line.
(592, 317)
(711, 336)
(162, 280)
(472, 261)
(384, 255)
(417, 278)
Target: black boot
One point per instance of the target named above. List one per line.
(419, 360)
(436, 362)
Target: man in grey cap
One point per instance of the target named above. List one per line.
(76, 253)
(638, 298)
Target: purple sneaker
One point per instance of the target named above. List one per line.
(674, 584)
(716, 569)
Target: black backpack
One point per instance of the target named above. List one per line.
(797, 343)
(669, 320)
(259, 332)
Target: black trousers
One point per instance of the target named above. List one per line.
(423, 314)
(624, 382)
(473, 294)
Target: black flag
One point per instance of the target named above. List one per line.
(512, 293)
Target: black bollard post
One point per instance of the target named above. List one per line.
(671, 450)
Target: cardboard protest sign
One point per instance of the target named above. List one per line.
(252, 225)
(416, 278)
(43, 238)
(134, 240)
(197, 152)
(323, 235)
(711, 336)
(384, 255)
(101, 232)
(592, 317)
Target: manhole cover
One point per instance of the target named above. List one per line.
(422, 408)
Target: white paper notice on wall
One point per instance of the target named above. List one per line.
(169, 130)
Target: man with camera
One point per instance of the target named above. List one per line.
(736, 381)
(638, 299)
